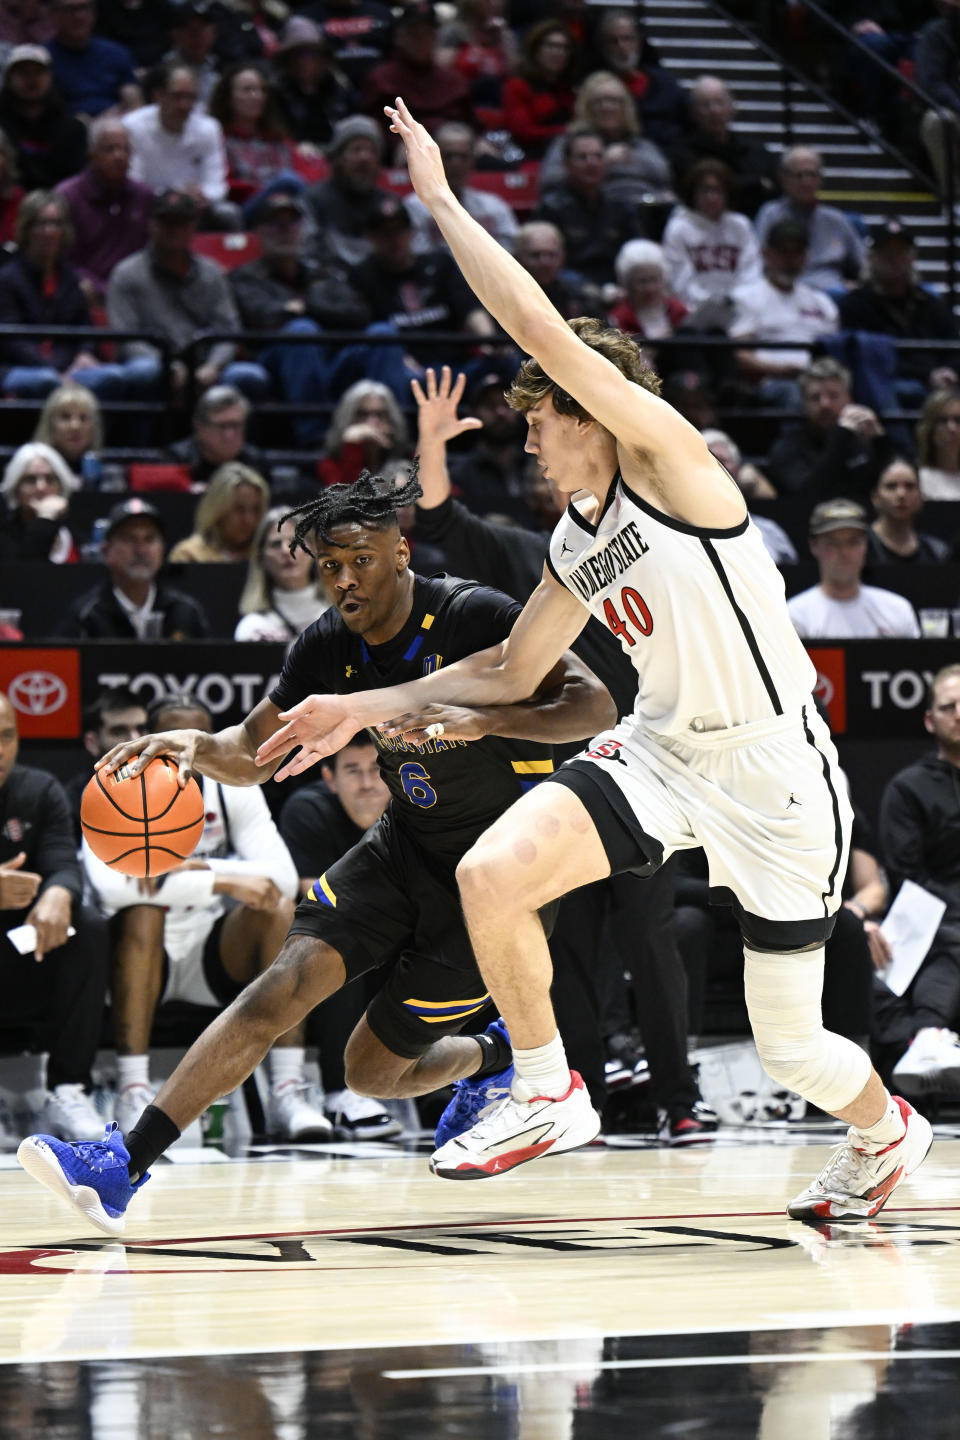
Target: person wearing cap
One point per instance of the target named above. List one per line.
(491, 477)
(835, 251)
(841, 607)
(411, 69)
(287, 289)
(131, 603)
(780, 307)
(169, 291)
(193, 31)
(92, 74)
(109, 212)
(51, 144)
(344, 203)
(891, 301)
(837, 448)
(458, 146)
(405, 292)
(358, 30)
(177, 147)
(313, 93)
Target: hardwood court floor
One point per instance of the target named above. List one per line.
(320, 1251)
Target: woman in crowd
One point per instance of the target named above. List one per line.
(646, 307)
(282, 595)
(938, 446)
(538, 101)
(227, 517)
(367, 429)
(36, 488)
(709, 248)
(897, 501)
(636, 167)
(70, 423)
(255, 133)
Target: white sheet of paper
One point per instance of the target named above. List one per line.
(24, 938)
(911, 923)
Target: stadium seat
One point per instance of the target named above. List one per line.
(159, 477)
(230, 250)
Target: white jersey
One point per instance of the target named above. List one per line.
(701, 613)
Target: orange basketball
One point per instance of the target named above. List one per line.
(142, 824)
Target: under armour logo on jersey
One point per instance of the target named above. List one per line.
(350, 672)
(793, 800)
(565, 549)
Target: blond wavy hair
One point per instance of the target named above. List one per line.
(531, 383)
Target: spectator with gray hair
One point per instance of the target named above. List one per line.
(36, 489)
(109, 211)
(835, 251)
(637, 169)
(754, 486)
(709, 248)
(647, 308)
(710, 135)
(367, 429)
(219, 435)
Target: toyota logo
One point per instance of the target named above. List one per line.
(824, 688)
(37, 692)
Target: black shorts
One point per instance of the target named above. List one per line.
(388, 902)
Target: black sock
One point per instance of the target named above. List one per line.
(497, 1054)
(151, 1135)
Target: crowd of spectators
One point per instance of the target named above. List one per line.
(146, 149)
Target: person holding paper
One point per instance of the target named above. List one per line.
(920, 834)
(55, 975)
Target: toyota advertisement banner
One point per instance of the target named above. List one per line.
(872, 689)
(48, 686)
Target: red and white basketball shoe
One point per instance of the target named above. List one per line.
(856, 1183)
(513, 1131)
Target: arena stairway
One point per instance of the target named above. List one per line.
(696, 37)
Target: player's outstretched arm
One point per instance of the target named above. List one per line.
(227, 756)
(571, 704)
(503, 675)
(511, 295)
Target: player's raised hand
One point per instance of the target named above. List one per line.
(320, 725)
(437, 417)
(427, 174)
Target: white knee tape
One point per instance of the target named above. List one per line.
(783, 1001)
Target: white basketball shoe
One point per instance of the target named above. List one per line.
(512, 1131)
(856, 1183)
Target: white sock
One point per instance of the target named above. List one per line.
(286, 1063)
(543, 1071)
(132, 1070)
(888, 1129)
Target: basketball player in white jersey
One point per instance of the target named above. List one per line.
(725, 748)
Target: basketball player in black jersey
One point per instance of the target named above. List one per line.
(390, 901)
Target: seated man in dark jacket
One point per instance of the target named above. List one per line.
(130, 604)
(838, 448)
(39, 290)
(892, 302)
(286, 290)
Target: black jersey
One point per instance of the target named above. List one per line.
(445, 793)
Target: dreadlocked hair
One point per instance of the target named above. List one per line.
(371, 500)
(532, 383)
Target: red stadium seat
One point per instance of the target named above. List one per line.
(229, 250)
(520, 187)
(144, 477)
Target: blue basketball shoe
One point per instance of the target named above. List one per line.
(91, 1175)
(471, 1096)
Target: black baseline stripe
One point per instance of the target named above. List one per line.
(837, 827)
(744, 623)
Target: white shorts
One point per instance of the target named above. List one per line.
(194, 968)
(767, 802)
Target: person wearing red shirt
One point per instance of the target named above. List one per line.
(538, 102)
(412, 69)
